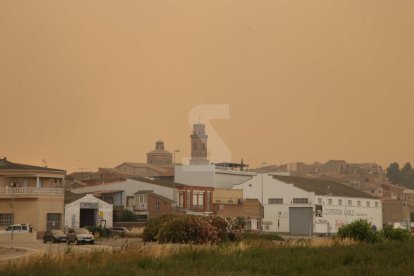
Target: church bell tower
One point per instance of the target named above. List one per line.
(199, 145)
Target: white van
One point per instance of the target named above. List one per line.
(19, 228)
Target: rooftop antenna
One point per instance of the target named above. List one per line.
(44, 162)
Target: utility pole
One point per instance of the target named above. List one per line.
(13, 186)
(262, 165)
(174, 197)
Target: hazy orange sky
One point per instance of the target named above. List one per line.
(88, 84)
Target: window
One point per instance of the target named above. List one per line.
(140, 199)
(349, 202)
(140, 202)
(198, 198)
(188, 199)
(208, 201)
(330, 201)
(359, 202)
(54, 221)
(130, 201)
(157, 206)
(6, 219)
(339, 201)
(275, 201)
(368, 203)
(319, 200)
(376, 204)
(181, 199)
(300, 201)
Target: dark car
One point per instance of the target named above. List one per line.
(80, 235)
(54, 236)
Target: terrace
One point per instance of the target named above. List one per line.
(27, 192)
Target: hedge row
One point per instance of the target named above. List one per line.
(191, 229)
(362, 230)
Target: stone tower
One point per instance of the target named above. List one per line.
(199, 145)
(159, 156)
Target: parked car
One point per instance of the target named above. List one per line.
(125, 233)
(80, 235)
(122, 231)
(18, 228)
(54, 236)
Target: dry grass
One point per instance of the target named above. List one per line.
(319, 255)
(137, 230)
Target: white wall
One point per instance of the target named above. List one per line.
(195, 175)
(227, 178)
(209, 176)
(333, 214)
(72, 211)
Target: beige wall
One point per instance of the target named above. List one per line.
(34, 210)
(227, 196)
(245, 210)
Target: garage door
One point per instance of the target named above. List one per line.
(300, 220)
(87, 217)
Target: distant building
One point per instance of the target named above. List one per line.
(139, 195)
(199, 145)
(159, 164)
(304, 206)
(87, 210)
(31, 194)
(159, 156)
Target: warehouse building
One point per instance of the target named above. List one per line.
(88, 210)
(303, 206)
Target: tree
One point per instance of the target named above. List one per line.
(393, 173)
(407, 175)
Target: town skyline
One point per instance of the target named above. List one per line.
(87, 85)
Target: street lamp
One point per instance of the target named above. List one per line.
(262, 165)
(12, 185)
(174, 152)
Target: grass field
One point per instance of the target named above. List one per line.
(246, 258)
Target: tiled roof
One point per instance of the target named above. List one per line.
(162, 168)
(7, 165)
(322, 187)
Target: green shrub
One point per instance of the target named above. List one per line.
(191, 229)
(359, 230)
(188, 229)
(152, 227)
(395, 234)
(125, 215)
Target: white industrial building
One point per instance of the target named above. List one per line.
(302, 206)
(88, 211)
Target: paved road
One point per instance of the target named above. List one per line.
(26, 249)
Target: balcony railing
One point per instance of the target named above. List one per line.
(20, 191)
(141, 207)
